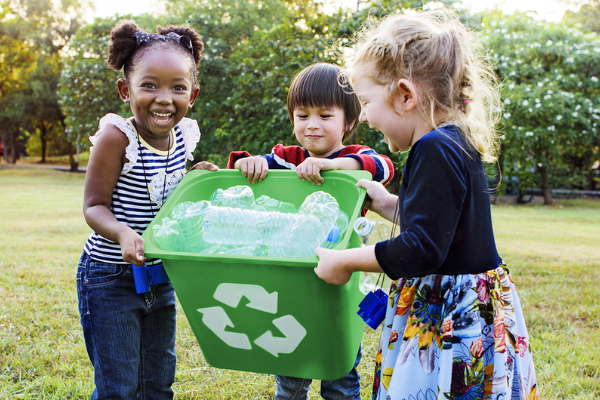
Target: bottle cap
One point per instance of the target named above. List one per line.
(362, 226)
(334, 234)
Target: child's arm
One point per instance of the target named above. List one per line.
(310, 169)
(103, 171)
(380, 200)
(253, 168)
(363, 157)
(336, 267)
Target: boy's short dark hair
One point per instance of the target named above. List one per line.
(321, 85)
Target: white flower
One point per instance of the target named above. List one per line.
(538, 105)
(528, 133)
(558, 117)
(506, 116)
(525, 103)
(507, 101)
(549, 43)
(540, 84)
(594, 79)
(575, 114)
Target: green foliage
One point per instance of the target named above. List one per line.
(586, 18)
(551, 105)
(87, 88)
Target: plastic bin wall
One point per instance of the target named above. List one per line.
(262, 314)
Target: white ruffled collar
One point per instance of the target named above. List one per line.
(189, 129)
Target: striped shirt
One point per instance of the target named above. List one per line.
(138, 194)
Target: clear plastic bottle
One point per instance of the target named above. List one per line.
(168, 235)
(240, 196)
(285, 234)
(370, 233)
(266, 203)
(337, 232)
(192, 222)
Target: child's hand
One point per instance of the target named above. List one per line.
(253, 168)
(329, 268)
(379, 199)
(205, 165)
(310, 168)
(132, 247)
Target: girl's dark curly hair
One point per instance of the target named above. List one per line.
(123, 51)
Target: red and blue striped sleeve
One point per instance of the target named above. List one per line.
(380, 166)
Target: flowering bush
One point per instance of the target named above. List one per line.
(550, 74)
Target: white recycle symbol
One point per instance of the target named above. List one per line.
(216, 319)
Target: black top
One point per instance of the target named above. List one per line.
(444, 209)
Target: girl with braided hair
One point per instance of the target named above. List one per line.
(135, 164)
(454, 327)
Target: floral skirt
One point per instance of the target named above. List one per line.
(454, 337)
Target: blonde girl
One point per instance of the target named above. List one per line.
(454, 328)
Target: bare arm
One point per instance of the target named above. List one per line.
(103, 171)
(336, 267)
(380, 200)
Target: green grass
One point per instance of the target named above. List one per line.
(57, 160)
(552, 253)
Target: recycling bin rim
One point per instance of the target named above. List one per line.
(151, 250)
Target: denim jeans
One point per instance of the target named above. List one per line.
(130, 337)
(347, 387)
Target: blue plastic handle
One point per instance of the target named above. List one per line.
(372, 308)
(144, 277)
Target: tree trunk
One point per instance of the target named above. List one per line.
(43, 141)
(74, 164)
(14, 144)
(546, 189)
(5, 145)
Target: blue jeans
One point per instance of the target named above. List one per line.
(347, 387)
(130, 337)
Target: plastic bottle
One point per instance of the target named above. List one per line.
(168, 235)
(337, 232)
(266, 203)
(285, 234)
(192, 222)
(240, 196)
(370, 233)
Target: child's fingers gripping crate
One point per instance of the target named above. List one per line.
(263, 314)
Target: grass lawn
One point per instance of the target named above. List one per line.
(552, 252)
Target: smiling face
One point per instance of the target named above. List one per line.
(320, 130)
(160, 91)
(399, 122)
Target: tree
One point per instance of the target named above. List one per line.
(43, 28)
(587, 17)
(551, 85)
(87, 88)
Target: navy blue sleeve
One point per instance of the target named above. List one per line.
(432, 198)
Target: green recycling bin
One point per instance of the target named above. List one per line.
(264, 314)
